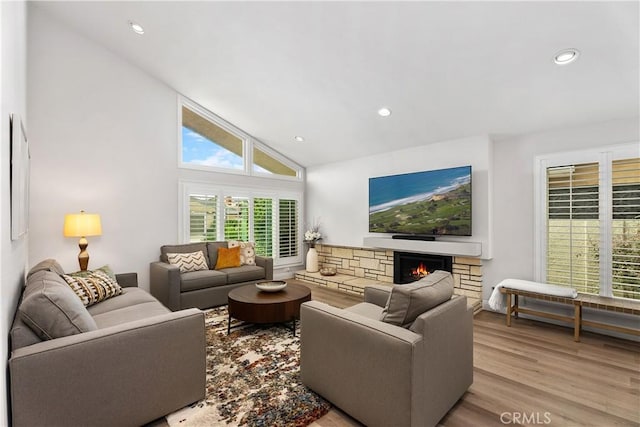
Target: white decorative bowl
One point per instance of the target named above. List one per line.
(271, 286)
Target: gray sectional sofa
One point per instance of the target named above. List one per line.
(124, 361)
(205, 288)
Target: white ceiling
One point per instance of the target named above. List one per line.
(322, 69)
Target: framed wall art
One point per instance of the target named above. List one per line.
(20, 159)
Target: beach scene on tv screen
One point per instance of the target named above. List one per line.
(432, 202)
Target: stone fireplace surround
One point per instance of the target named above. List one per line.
(358, 267)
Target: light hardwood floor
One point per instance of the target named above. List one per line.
(330, 296)
(535, 374)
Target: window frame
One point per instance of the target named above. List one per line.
(208, 115)
(604, 156)
(248, 144)
(275, 155)
(188, 187)
(299, 231)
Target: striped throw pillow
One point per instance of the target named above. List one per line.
(93, 286)
(191, 261)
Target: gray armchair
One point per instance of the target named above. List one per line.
(383, 374)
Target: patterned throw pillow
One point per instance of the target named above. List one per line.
(93, 286)
(191, 261)
(247, 251)
(228, 258)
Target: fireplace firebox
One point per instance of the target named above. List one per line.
(409, 267)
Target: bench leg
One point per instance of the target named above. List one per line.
(577, 321)
(515, 304)
(508, 295)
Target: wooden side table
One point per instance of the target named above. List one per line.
(249, 304)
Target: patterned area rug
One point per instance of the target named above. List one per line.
(252, 379)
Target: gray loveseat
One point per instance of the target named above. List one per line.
(205, 288)
(124, 361)
(384, 374)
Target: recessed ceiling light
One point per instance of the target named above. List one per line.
(384, 112)
(298, 138)
(566, 56)
(137, 28)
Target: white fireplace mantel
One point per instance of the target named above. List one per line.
(472, 249)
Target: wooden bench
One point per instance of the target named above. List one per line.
(582, 300)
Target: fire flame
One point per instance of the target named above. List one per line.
(420, 271)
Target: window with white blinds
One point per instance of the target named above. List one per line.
(271, 221)
(202, 218)
(625, 228)
(591, 239)
(573, 227)
(263, 226)
(236, 218)
(288, 228)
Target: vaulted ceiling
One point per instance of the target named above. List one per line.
(321, 70)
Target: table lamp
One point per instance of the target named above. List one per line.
(82, 225)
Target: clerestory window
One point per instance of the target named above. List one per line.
(209, 143)
(206, 144)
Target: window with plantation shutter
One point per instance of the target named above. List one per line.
(236, 218)
(263, 225)
(202, 218)
(590, 237)
(269, 220)
(573, 227)
(625, 228)
(288, 228)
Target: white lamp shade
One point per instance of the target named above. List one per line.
(82, 225)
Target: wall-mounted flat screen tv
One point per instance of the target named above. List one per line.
(429, 203)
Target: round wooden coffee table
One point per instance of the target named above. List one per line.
(252, 305)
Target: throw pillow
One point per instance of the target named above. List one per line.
(228, 258)
(247, 251)
(406, 302)
(184, 248)
(87, 273)
(190, 261)
(93, 286)
(51, 309)
(212, 250)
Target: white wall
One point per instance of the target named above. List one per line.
(338, 193)
(13, 255)
(502, 189)
(103, 139)
(513, 249)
